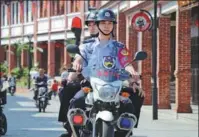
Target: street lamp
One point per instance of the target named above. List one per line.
(29, 58)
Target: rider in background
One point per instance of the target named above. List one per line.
(92, 28)
(41, 78)
(54, 88)
(72, 85)
(12, 81)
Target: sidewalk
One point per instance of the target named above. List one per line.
(21, 89)
(169, 123)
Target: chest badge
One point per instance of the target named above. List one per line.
(109, 62)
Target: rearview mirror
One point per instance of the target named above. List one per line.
(140, 55)
(73, 49)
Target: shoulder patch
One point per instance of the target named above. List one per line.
(88, 41)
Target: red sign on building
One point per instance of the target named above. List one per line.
(141, 21)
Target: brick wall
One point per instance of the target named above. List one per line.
(11, 58)
(132, 43)
(163, 58)
(183, 61)
(24, 58)
(146, 66)
(51, 58)
(2, 54)
(121, 36)
(67, 58)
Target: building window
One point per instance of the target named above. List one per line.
(72, 5)
(41, 8)
(61, 7)
(27, 9)
(53, 8)
(12, 13)
(3, 15)
(44, 8)
(30, 14)
(75, 5)
(57, 8)
(17, 13)
(91, 3)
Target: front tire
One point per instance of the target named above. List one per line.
(40, 106)
(3, 126)
(12, 92)
(105, 129)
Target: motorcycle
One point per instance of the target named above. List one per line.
(102, 104)
(12, 90)
(3, 119)
(42, 99)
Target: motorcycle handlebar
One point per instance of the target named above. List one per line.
(41, 83)
(71, 70)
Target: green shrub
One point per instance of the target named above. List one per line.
(17, 72)
(25, 72)
(20, 72)
(4, 68)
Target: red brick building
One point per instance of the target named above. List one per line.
(50, 23)
(177, 49)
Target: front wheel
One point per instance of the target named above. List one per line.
(40, 106)
(3, 124)
(106, 129)
(12, 92)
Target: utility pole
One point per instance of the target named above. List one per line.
(154, 63)
(29, 60)
(0, 43)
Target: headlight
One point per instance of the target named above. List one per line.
(107, 92)
(42, 90)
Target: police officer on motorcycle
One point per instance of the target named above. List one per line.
(105, 54)
(92, 28)
(72, 84)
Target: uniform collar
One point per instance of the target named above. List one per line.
(97, 41)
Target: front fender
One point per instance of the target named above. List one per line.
(105, 116)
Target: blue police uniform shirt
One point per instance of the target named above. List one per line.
(103, 60)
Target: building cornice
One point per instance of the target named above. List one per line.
(188, 7)
(143, 5)
(110, 4)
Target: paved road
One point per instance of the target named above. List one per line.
(25, 121)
